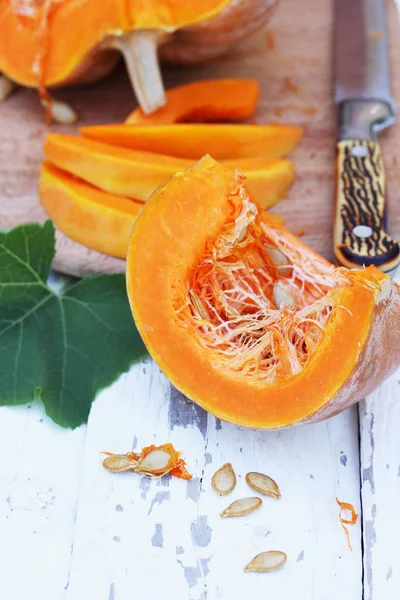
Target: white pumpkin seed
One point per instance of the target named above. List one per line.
(224, 480)
(263, 484)
(155, 461)
(118, 463)
(198, 305)
(243, 233)
(282, 296)
(242, 507)
(60, 112)
(283, 264)
(266, 561)
(6, 87)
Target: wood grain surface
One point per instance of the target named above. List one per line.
(296, 45)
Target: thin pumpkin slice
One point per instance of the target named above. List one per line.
(137, 174)
(204, 289)
(205, 100)
(195, 140)
(87, 215)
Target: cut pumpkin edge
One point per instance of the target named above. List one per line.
(136, 174)
(86, 214)
(194, 140)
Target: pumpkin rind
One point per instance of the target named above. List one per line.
(167, 242)
(207, 40)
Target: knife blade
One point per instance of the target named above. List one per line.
(365, 106)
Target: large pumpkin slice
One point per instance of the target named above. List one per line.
(56, 42)
(244, 318)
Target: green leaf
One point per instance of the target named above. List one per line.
(59, 347)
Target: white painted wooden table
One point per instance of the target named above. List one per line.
(69, 530)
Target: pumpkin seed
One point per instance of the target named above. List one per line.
(198, 305)
(119, 463)
(263, 484)
(282, 296)
(242, 507)
(284, 269)
(156, 461)
(6, 87)
(283, 264)
(243, 233)
(266, 561)
(224, 480)
(60, 111)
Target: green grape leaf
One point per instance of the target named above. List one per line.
(64, 346)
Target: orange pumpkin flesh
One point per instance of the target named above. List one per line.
(87, 215)
(206, 100)
(41, 46)
(137, 174)
(201, 285)
(195, 140)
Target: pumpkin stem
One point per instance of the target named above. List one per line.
(139, 49)
(6, 87)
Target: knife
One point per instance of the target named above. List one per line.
(364, 107)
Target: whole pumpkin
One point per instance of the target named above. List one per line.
(47, 43)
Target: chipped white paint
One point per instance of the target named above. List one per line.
(308, 464)
(380, 473)
(135, 538)
(40, 468)
(380, 488)
(166, 539)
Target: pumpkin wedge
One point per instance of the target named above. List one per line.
(195, 140)
(137, 174)
(52, 43)
(205, 100)
(245, 319)
(87, 215)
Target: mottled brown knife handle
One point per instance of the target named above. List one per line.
(360, 215)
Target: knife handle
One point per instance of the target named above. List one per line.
(360, 212)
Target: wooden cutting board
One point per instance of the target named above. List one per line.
(295, 45)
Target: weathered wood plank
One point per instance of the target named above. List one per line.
(312, 465)
(40, 466)
(380, 471)
(379, 418)
(152, 539)
(130, 530)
